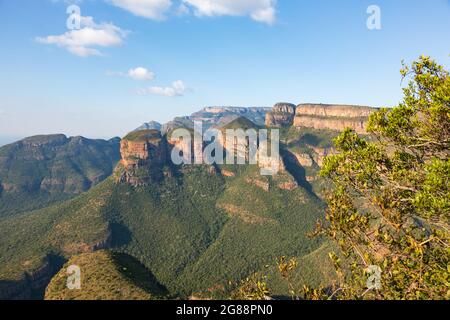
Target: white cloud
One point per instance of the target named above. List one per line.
(259, 10)
(151, 9)
(81, 42)
(138, 73)
(141, 74)
(178, 88)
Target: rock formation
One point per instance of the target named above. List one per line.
(211, 117)
(332, 117)
(304, 159)
(145, 152)
(320, 116)
(152, 125)
(282, 115)
(143, 155)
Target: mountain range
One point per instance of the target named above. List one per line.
(211, 117)
(184, 231)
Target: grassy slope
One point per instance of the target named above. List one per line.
(181, 229)
(62, 229)
(167, 226)
(277, 226)
(105, 275)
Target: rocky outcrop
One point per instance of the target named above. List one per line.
(332, 117)
(288, 185)
(338, 124)
(211, 117)
(329, 110)
(152, 125)
(304, 159)
(321, 153)
(143, 155)
(261, 182)
(320, 116)
(282, 115)
(219, 116)
(32, 283)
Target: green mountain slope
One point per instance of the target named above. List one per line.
(33, 245)
(41, 170)
(182, 229)
(199, 229)
(105, 275)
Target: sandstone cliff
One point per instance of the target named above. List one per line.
(282, 115)
(332, 117)
(320, 116)
(143, 155)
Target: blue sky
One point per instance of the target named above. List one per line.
(196, 53)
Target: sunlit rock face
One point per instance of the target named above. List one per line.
(144, 153)
(282, 115)
(332, 117)
(320, 116)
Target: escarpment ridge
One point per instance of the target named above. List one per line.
(320, 116)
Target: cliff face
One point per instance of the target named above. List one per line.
(333, 117)
(320, 116)
(338, 124)
(282, 115)
(32, 284)
(328, 110)
(143, 155)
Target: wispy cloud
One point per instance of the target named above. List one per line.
(138, 73)
(141, 74)
(151, 9)
(84, 41)
(259, 10)
(178, 88)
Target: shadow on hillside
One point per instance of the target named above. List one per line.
(139, 275)
(296, 170)
(121, 235)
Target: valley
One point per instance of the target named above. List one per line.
(196, 230)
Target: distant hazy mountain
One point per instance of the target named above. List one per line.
(152, 125)
(39, 170)
(211, 117)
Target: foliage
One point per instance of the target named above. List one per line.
(143, 135)
(252, 288)
(106, 275)
(391, 202)
(177, 227)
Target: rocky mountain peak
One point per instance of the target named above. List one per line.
(143, 155)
